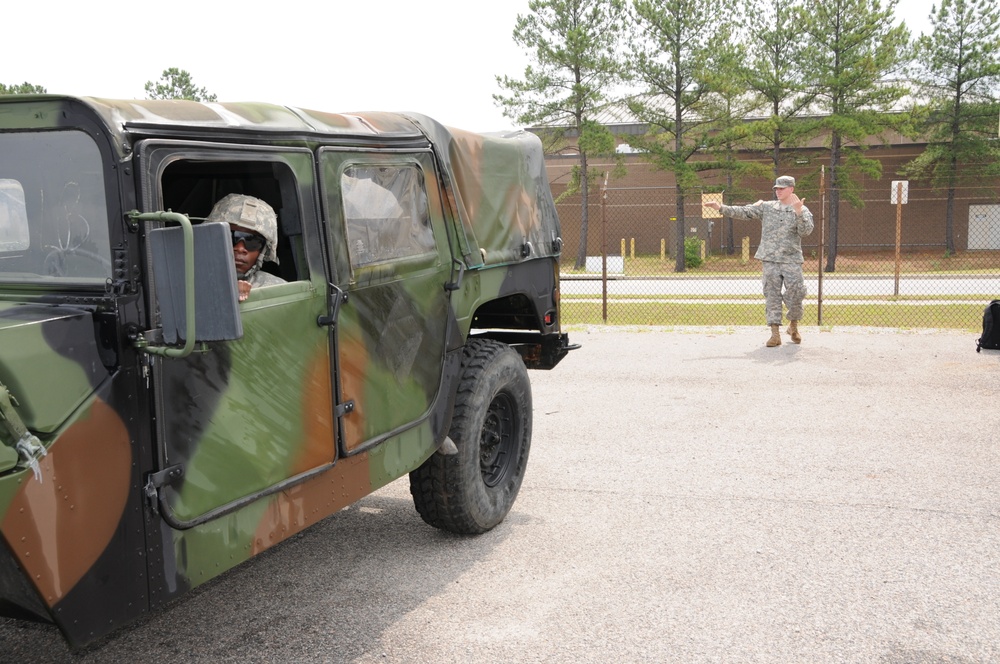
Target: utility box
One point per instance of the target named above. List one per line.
(616, 264)
(984, 227)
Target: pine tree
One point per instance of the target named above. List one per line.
(852, 52)
(773, 70)
(176, 83)
(22, 89)
(573, 44)
(670, 58)
(958, 71)
(731, 103)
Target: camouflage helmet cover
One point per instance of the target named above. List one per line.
(252, 213)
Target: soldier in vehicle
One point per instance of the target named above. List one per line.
(784, 222)
(254, 226)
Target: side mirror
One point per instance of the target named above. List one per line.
(216, 302)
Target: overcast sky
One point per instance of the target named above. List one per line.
(438, 57)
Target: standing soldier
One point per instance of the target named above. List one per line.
(783, 223)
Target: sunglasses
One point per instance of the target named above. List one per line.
(251, 241)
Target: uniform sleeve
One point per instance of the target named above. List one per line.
(804, 224)
(755, 211)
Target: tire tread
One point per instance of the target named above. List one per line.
(438, 492)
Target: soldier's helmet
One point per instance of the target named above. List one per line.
(252, 213)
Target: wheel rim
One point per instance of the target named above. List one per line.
(498, 441)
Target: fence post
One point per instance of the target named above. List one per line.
(899, 227)
(822, 241)
(604, 250)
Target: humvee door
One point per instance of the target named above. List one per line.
(241, 419)
(390, 249)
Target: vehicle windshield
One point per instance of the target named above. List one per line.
(53, 216)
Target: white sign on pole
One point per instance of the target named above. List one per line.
(895, 190)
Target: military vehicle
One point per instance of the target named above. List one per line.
(156, 430)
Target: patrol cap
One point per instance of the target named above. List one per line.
(784, 181)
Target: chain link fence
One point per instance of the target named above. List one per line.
(892, 265)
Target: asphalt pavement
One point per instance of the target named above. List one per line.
(691, 496)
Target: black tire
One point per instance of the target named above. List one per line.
(472, 491)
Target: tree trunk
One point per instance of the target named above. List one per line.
(679, 264)
(831, 242)
(727, 220)
(581, 254)
(956, 131)
(776, 139)
(949, 223)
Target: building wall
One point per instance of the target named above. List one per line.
(642, 206)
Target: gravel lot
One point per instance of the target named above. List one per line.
(692, 496)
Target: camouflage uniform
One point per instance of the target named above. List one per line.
(781, 252)
(258, 277)
(258, 216)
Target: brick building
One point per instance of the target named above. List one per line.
(640, 207)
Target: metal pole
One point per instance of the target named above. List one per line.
(604, 249)
(822, 241)
(899, 224)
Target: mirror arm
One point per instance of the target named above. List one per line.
(175, 217)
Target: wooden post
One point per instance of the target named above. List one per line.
(899, 227)
(604, 250)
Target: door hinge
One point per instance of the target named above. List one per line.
(344, 408)
(154, 481)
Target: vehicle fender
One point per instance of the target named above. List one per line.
(49, 361)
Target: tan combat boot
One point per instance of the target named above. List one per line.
(775, 339)
(793, 331)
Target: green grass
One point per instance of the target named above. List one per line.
(848, 263)
(622, 312)
(714, 309)
(930, 299)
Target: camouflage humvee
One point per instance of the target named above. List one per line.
(155, 431)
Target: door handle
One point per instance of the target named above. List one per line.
(335, 299)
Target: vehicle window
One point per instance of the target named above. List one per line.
(13, 217)
(53, 215)
(385, 209)
(195, 185)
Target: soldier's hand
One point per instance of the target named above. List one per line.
(714, 205)
(244, 287)
(798, 203)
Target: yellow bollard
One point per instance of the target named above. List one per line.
(746, 250)
(663, 249)
(631, 249)
(702, 251)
